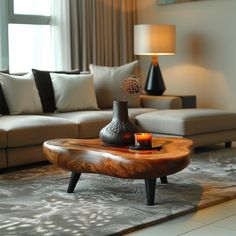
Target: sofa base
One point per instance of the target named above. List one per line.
(3, 159)
(25, 155)
(213, 138)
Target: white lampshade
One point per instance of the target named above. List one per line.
(154, 39)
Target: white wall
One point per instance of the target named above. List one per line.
(205, 61)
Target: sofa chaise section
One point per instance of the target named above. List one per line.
(25, 134)
(203, 126)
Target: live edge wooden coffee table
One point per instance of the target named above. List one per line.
(91, 156)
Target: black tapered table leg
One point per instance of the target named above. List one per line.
(150, 185)
(74, 178)
(228, 144)
(164, 180)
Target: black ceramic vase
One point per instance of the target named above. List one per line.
(120, 131)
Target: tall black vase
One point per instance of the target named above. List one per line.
(120, 131)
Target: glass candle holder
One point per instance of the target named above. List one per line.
(143, 140)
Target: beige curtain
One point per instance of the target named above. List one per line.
(102, 32)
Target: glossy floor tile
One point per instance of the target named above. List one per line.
(215, 220)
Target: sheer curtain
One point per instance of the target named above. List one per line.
(102, 32)
(60, 34)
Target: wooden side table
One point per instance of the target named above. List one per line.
(188, 101)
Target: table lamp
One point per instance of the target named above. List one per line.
(154, 40)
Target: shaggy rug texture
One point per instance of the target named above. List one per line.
(34, 201)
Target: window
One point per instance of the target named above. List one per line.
(29, 47)
(25, 7)
(34, 34)
(29, 38)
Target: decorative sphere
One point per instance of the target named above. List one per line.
(132, 85)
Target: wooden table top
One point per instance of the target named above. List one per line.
(91, 156)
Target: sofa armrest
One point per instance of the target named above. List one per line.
(161, 102)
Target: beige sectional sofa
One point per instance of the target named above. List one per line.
(23, 131)
(22, 136)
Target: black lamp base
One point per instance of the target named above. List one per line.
(154, 84)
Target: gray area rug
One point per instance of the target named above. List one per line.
(34, 201)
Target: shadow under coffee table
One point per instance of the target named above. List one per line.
(91, 156)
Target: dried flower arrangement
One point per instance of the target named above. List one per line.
(132, 85)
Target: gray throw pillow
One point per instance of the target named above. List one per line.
(74, 92)
(108, 81)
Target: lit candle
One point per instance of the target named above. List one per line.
(143, 140)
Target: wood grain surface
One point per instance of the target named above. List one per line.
(91, 156)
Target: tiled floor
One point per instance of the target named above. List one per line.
(211, 221)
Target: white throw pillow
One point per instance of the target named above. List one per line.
(74, 92)
(21, 94)
(108, 81)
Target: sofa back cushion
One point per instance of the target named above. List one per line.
(45, 87)
(74, 92)
(108, 81)
(21, 94)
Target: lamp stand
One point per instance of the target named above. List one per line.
(154, 84)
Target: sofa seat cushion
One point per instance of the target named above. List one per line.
(187, 121)
(133, 112)
(3, 137)
(25, 130)
(89, 122)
